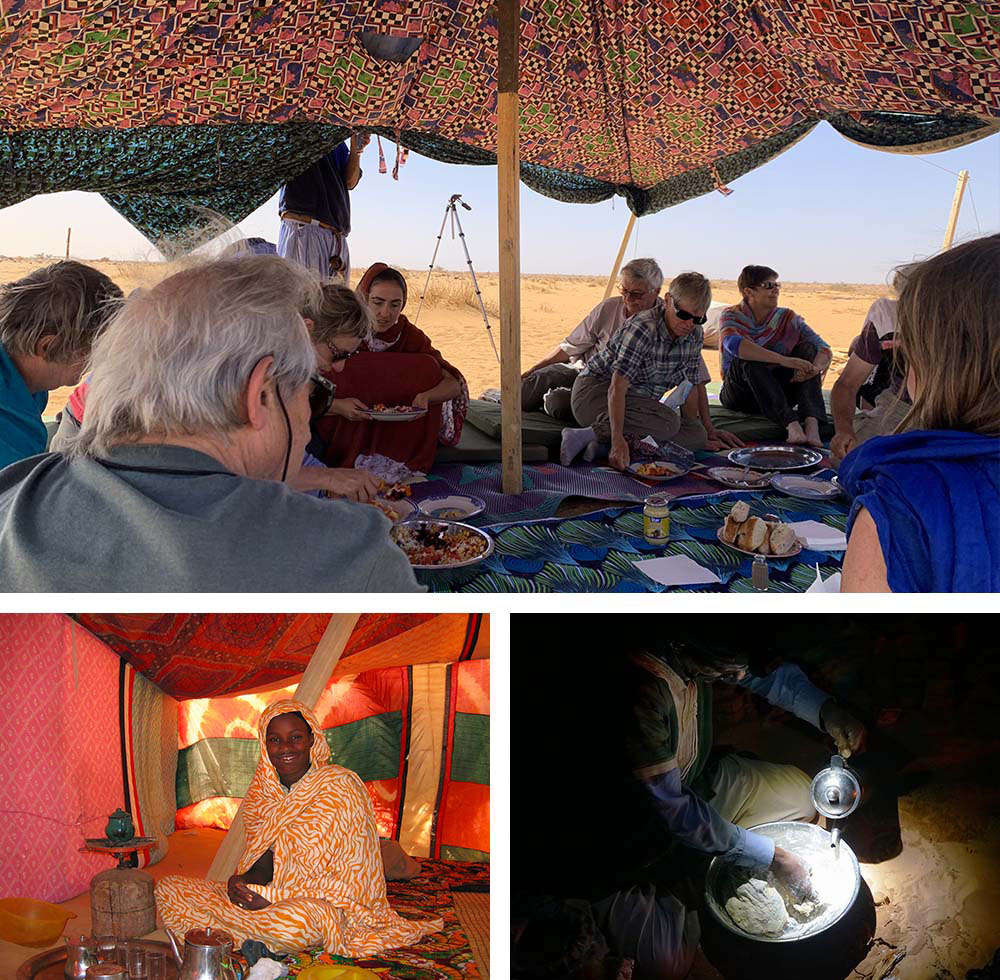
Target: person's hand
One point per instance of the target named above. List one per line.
(800, 368)
(357, 485)
(420, 400)
(847, 731)
(619, 456)
(360, 140)
(794, 873)
(842, 443)
(352, 409)
(720, 439)
(243, 897)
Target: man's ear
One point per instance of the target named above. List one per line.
(259, 397)
(44, 345)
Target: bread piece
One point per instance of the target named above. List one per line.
(783, 539)
(740, 511)
(751, 534)
(730, 529)
(765, 545)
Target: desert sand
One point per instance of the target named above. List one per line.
(550, 307)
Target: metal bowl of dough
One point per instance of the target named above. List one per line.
(836, 879)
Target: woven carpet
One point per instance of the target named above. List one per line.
(473, 910)
(598, 552)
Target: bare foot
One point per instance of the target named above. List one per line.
(796, 437)
(812, 432)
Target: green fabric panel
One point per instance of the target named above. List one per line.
(536, 427)
(476, 447)
(215, 767)
(370, 747)
(470, 757)
(449, 853)
(756, 428)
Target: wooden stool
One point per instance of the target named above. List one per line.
(122, 903)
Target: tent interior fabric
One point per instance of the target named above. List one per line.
(180, 115)
(83, 732)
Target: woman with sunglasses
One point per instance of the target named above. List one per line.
(395, 365)
(617, 395)
(773, 362)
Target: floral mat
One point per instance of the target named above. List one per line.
(598, 552)
(445, 955)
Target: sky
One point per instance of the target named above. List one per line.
(826, 210)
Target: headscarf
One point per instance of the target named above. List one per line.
(266, 806)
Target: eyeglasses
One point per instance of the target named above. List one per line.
(338, 355)
(684, 315)
(635, 294)
(321, 397)
(768, 286)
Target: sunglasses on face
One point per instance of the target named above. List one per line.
(321, 397)
(769, 286)
(684, 315)
(337, 355)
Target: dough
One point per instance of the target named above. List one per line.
(757, 908)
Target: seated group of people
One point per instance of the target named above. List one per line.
(222, 372)
(921, 460)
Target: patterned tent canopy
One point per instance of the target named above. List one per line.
(171, 109)
(203, 655)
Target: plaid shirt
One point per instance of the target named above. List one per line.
(648, 354)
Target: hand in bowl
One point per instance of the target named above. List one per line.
(794, 873)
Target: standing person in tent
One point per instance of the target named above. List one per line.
(311, 870)
(315, 212)
(773, 362)
(618, 394)
(48, 323)
(925, 511)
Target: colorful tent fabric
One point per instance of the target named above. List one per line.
(204, 655)
(214, 104)
(417, 736)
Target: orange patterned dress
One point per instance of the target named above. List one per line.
(328, 887)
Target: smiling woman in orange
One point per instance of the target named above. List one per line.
(311, 871)
(397, 365)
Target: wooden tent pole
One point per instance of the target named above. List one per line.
(508, 223)
(621, 255)
(69, 231)
(319, 670)
(956, 204)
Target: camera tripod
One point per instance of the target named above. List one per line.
(451, 208)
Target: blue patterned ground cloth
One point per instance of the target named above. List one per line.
(598, 552)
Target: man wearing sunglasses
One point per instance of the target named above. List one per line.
(618, 393)
(197, 419)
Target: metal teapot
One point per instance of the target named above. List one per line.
(120, 827)
(81, 953)
(836, 793)
(207, 955)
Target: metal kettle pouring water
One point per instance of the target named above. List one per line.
(836, 793)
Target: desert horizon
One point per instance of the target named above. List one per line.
(551, 305)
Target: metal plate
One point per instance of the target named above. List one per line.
(754, 554)
(452, 506)
(50, 964)
(414, 523)
(730, 476)
(417, 413)
(776, 458)
(681, 470)
(806, 487)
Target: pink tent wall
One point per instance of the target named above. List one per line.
(60, 758)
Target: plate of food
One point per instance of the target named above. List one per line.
(757, 535)
(395, 510)
(452, 506)
(659, 470)
(395, 413)
(776, 458)
(806, 487)
(393, 491)
(441, 544)
(740, 477)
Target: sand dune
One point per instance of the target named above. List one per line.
(550, 307)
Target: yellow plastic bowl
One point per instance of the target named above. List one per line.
(330, 971)
(29, 922)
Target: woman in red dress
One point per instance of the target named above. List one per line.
(396, 365)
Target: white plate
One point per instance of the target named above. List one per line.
(417, 413)
(681, 471)
(754, 554)
(806, 487)
(452, 507)
(404, 508)
(731, 476)
(449, 527)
